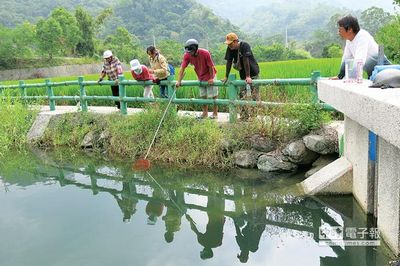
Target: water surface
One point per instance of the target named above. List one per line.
(79, 210)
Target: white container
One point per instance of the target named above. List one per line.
(360, 65)
(350, 71)
(248, 90)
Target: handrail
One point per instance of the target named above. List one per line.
(232, 91)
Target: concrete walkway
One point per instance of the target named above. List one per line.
(45, 110)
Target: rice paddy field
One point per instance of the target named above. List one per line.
(268, 70)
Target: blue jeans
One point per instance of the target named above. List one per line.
(163, 91)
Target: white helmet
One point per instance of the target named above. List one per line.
(107, 54)
(135, 66)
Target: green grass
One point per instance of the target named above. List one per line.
(16, 119)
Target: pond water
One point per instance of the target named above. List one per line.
(74, 210)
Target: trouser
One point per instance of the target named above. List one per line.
(163, 90)
(148, 92)
(115, 92)
(247, 111)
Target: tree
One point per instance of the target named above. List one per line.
(70, 35)
(332, 50)
(125, 45)
(85, 45)
(172, 50)
(388, 35)
(373, 18)
(324, 37)
(49, 33)
(8, 54)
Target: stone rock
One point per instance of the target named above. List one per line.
(298, 153)
(227, 145)
(263, 144)
(104, 136)
(322, 161)
(321, 144)
(275, 162)
(246, 158)
(87, 141)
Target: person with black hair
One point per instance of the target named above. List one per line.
(205, 70)
(159, 68)
(360, 46)
(239, 54)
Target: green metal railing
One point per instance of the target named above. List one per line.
(232, 85)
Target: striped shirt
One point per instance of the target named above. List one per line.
(112, 68)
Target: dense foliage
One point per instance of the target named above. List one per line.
(128, 27)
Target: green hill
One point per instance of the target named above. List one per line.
(147, 19)
(178, 20)
(16, 12)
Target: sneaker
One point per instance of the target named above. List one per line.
(213, 117)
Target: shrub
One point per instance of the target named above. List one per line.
(16, 119)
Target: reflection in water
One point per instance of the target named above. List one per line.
(256, 210)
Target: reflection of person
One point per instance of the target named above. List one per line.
(128, 201)
(213, 235)
(360, 46)
(112, 68)
(141, 73)
(205, 71)
(159, 68)
(154, 207)
(240, 54)
(173, 215)
(249, 228)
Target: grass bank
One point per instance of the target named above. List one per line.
(182, 141)
(16, 118)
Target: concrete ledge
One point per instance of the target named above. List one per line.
(42, 120)
(375, 109)
(335, 178)
(38, 127)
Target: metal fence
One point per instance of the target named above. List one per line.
(233, 87)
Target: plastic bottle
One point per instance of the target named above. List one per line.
(346, 71)
(248, 90)
(360, 65)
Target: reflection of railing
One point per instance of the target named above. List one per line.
(250, 216)
(232, 101)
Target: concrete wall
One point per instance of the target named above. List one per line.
(48, 72)
(356, 151)
(389, 193)
(374, 184)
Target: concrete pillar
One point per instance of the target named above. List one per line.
(356, 151)
(389, 194)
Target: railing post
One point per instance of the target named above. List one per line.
(50, 94)
(171, 86)
(22, 88)
(82, 94)
(232, 95)
(315, 75)
(122, 95)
